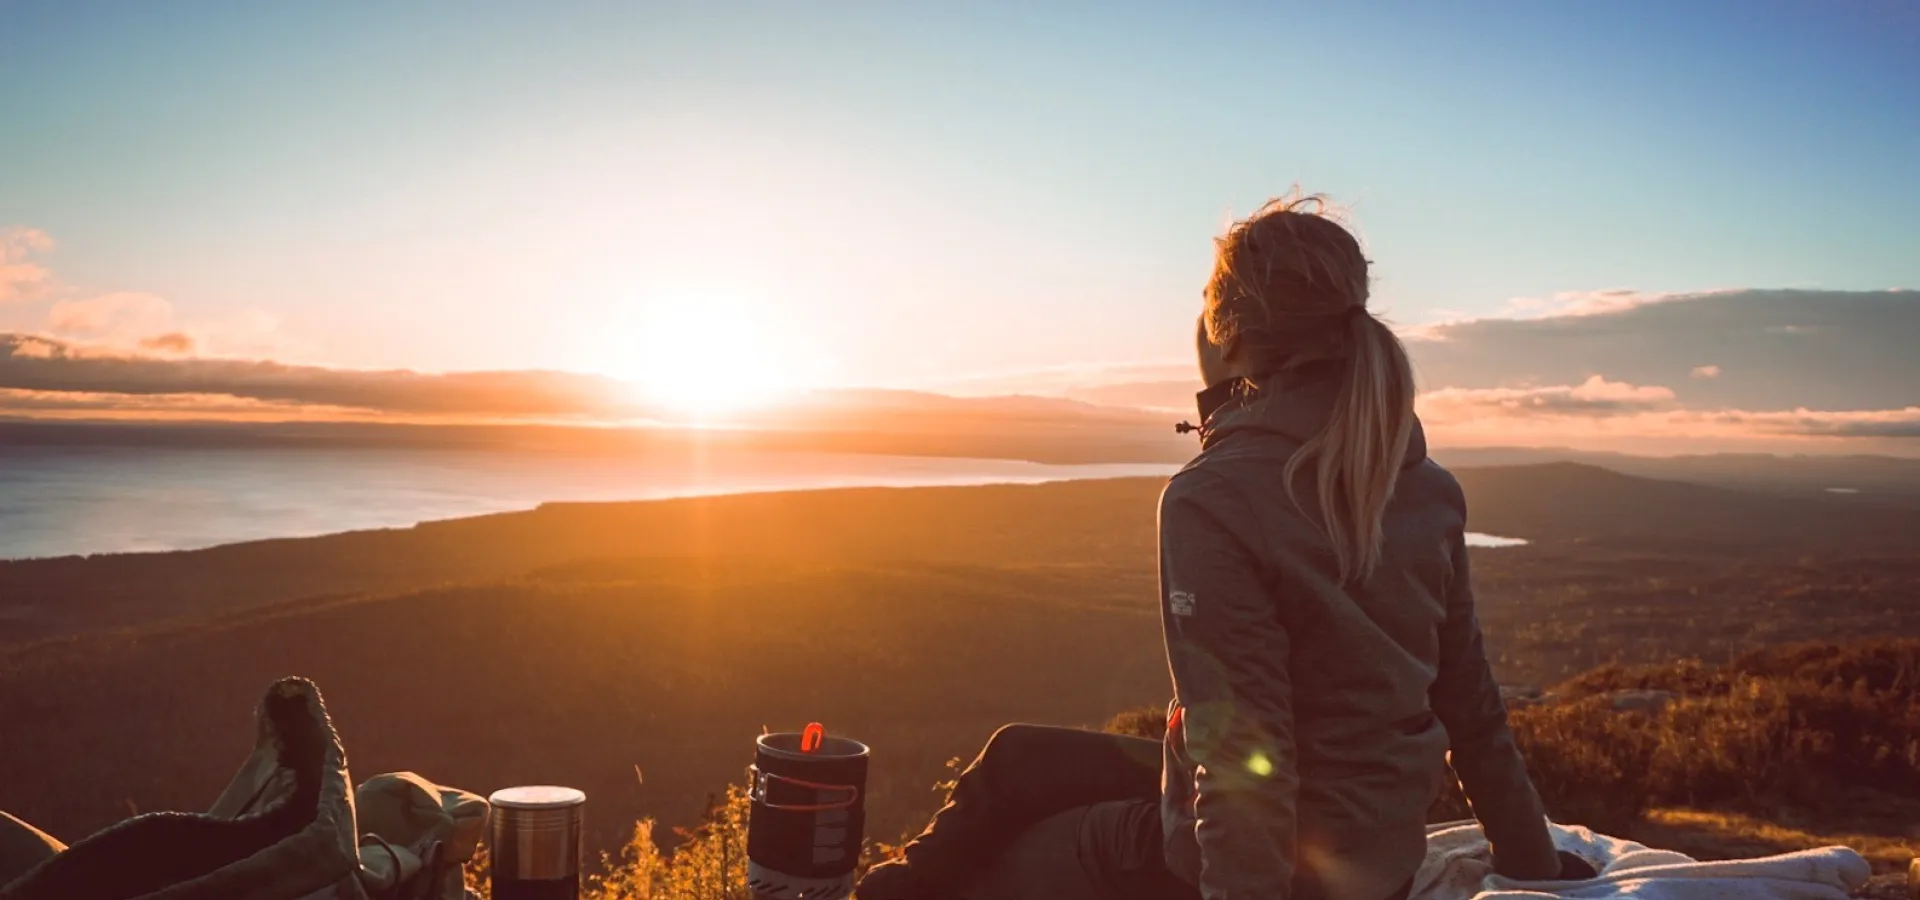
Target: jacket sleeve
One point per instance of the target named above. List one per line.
(1467, 699)
(1229, 655)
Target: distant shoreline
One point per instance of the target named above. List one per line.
(59, 504)
(1046, 437)
(1474, 538)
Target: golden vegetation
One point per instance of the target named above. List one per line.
(1813, 737)
(708, 862)
(1731, 835)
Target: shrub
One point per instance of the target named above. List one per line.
(1791, 725)
(710, 862)
(1146, 722)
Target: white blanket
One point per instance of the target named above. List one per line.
(1458, 867)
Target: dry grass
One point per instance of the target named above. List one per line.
(709, 862)
(1790, 726)
(1725, 835)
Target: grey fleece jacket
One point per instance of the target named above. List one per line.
(1312, 722)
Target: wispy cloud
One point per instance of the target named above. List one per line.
(1579, 303)
(1875, 423)
(122, 318)
(28, 346)
(20, 277)
(173, 342)
(1598, 412)
(37, 363)
(44, 376)
(38, 301)
(195, 406)
(1591, 398)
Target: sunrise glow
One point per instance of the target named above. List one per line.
(699, 360)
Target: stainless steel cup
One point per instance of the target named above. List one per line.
(536, 842)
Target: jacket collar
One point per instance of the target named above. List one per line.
(1294, 405)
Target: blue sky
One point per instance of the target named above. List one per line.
(901, 193)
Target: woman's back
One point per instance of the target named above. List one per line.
(1375, 676)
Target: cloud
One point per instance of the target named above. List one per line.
(45, 377)
(36, 363)
(122, 318)
(1879, 423)
(1776, 349)
(126, 320)
(1602, 414)
(1632, 408)
(175, 342)
(1705, 372)
(1595, 397)
(20, 278)
(250, 334)
(27, 346)
(1581, 303)
(101, 405)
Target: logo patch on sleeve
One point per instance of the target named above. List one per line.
(1180, 603)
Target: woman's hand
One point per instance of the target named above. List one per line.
(1573, 868)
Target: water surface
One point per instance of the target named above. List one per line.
(66, 500)
(1476, 539)
(56, 501)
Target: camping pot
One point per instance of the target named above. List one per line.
(536, 842)
(806, 817)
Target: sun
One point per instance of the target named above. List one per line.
(701, 362)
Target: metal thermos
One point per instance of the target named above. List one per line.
(536, 842)
(806, 815)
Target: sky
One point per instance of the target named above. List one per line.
(946, 196)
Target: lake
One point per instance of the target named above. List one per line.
(57, 501)
(66, 500)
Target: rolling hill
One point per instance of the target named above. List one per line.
(1565, 502)
(1107, 522)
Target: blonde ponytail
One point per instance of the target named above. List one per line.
(1358, 455)
(1289, 290)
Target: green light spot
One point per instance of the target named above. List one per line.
(1260, 765)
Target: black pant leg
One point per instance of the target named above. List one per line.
(1106, 851)
(1027, 773)
(1124, 854)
